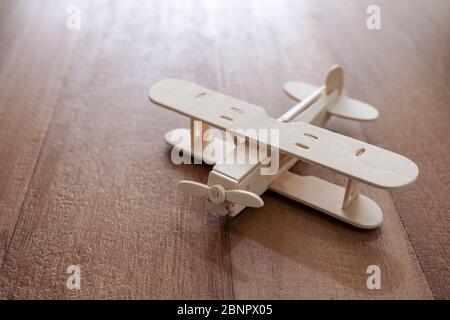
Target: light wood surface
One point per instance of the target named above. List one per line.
(86, 177)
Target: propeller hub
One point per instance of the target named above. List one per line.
(216, 194)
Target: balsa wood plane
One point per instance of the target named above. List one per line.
(233, 187)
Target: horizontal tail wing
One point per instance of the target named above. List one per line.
(344, 107)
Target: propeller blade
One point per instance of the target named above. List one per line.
(245, 198)
(193, 188)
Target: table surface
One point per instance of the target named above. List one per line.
(86, 178)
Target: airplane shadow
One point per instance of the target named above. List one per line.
(315, 241)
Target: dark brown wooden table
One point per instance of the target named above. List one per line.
(86, 178)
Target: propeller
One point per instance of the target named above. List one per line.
(217, 193)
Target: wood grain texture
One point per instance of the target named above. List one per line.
(85, 176)
(34, 53)
(416, 91)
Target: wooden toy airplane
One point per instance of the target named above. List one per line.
(231, 188)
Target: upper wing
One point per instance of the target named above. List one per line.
(351, 157)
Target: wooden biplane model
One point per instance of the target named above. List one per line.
(231, 188)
